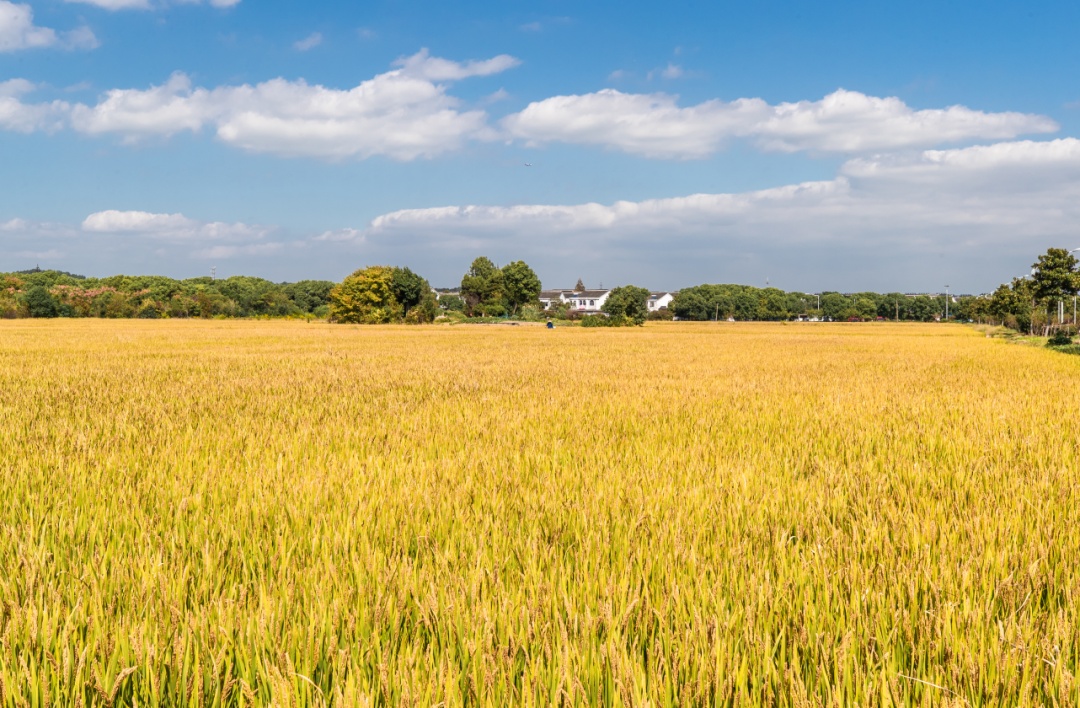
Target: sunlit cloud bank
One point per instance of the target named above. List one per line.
(654, 125)
(408, 113)
(402, 114)
(886, 214)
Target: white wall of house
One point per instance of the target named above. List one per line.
(657, 303)
(588, 301)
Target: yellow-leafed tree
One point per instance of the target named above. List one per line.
(366, 297)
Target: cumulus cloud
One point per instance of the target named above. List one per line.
(175, 228)
(20, 117)
(654, 125)
(307, 43)
(18, 31)
(402, 114)
(884, 216)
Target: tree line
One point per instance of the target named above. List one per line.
(749, 303)
(388, 294)
(52, 293)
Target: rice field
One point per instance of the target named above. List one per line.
(292, 514)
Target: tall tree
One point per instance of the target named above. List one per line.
(521, 286)
(482, 287)
(1054, 275)
(409, 288)
(366, 297)
(40, 302)
(628, 302)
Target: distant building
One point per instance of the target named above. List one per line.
(588, 301)
(660, 300)
(554, 297)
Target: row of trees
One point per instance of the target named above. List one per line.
(744, 302)
(384, 294)
(1035, 303)
(51, 293)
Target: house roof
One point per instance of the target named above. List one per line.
(589, 293)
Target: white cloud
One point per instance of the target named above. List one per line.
(340, 236)
(15, 87)
(17, 228)
(114, 5)
(169, 227)
(655, 125)
(671, 71)
(424, 66)
(402, 114)
(113, 221)
(160, 110)
(307, 43)
(20, 117)
(886, 217)
(18, 31)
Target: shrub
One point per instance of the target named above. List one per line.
(1060, 338)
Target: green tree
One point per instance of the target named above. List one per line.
(866, 308)
(39, 302)
(452, 303)
(923, 308)
(1012, 304)
(309, 295)
(1054, 275)
(628, 303)
(409, 288)
(366, 297)
(834, 305)
(772, 304)
(482, 287)
(521, 286)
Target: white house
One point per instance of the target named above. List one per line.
(659, 301)
(554, 297)
(587, 301)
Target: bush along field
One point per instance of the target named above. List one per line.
(219, 513)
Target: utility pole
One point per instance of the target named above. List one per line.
(946, 303)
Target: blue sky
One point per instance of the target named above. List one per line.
(843, 145)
